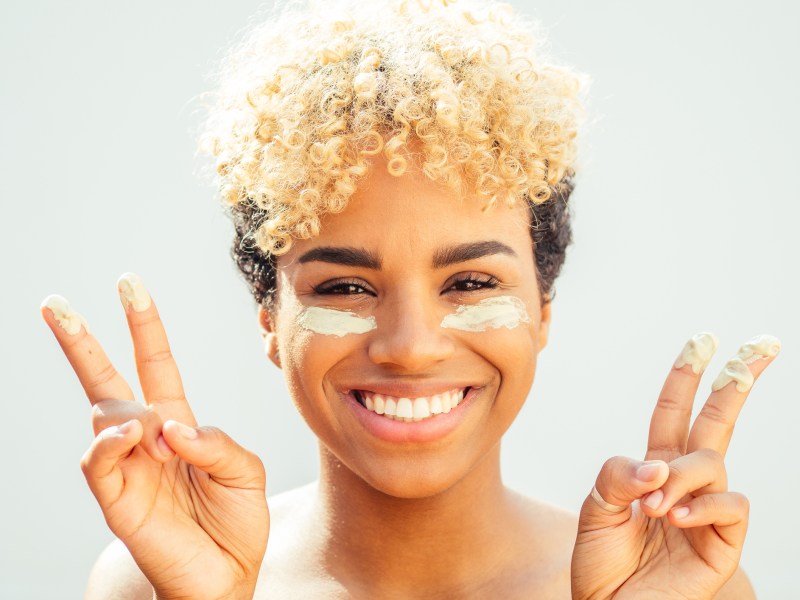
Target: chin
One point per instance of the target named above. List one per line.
(415, 477)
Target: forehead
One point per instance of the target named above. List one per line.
(411, 216)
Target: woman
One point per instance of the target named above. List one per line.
(398, 181)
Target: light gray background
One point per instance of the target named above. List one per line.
(686, 220)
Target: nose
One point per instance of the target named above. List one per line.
(409, 337)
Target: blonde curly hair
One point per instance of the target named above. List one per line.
(307, 97)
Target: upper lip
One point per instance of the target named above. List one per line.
(401, 389)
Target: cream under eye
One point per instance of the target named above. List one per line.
(490, 313)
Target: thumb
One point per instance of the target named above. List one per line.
(621, 481)
(214, 452)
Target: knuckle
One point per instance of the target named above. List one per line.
(711, 455)
(716, 414)
(741, 502)
(86, 462)
(677, 474)
(157, 357)
(102, 377)
(614, 464)
(669, 403)
(711, 502)
(215, 434)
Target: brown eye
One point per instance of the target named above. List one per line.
(341, 288)
(473, 283)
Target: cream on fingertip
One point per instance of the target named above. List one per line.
(132, 292)
(737, 370)
(69, 320)
(698, 352)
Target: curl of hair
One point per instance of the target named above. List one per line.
(305, 99)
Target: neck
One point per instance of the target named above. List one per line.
(448, 541)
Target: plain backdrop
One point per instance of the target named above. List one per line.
(686, 216)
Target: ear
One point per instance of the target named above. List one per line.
(544, 323)
(269, 336)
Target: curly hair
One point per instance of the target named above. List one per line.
(305, 99)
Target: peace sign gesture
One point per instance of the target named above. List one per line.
(187, 501)
(668, 527)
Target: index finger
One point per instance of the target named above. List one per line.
(98, 377)
(669, 426)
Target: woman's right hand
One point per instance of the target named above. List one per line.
(188, 502)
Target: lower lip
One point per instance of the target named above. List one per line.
(416, 432)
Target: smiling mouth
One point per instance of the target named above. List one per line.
(410, 409)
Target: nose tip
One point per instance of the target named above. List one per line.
(413, 341)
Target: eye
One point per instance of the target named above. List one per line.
(342, 287)
(471, 282)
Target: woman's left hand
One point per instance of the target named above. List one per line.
(668, 527)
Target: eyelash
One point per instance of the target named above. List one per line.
(340, 287)
(472, 282)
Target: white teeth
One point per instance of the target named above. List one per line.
(404, 408)
(391, 407)
(412, 409)
(422, 409)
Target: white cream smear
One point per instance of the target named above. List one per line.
(737, 370)
(69, 320)
(132, 292)
(698, 352)
(491, 313)
(411, 409)
(328, 321)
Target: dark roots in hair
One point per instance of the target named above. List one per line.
(551, 233)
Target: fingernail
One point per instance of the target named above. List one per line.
(125, 427)
(698, 352)
(190, 433)
(163, 447)
(681, 512)
(654, 499)
(132, 292)
(649, 470)
(64, 314)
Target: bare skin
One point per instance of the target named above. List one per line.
(396, 519)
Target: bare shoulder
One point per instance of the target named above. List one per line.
(290, 569)
(547, 562)
(115, 576)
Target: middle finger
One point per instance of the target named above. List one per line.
(158, 372)
(713, 427)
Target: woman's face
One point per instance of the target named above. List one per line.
(404, 258)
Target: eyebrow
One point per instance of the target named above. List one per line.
(444, 257)
(343, 255)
